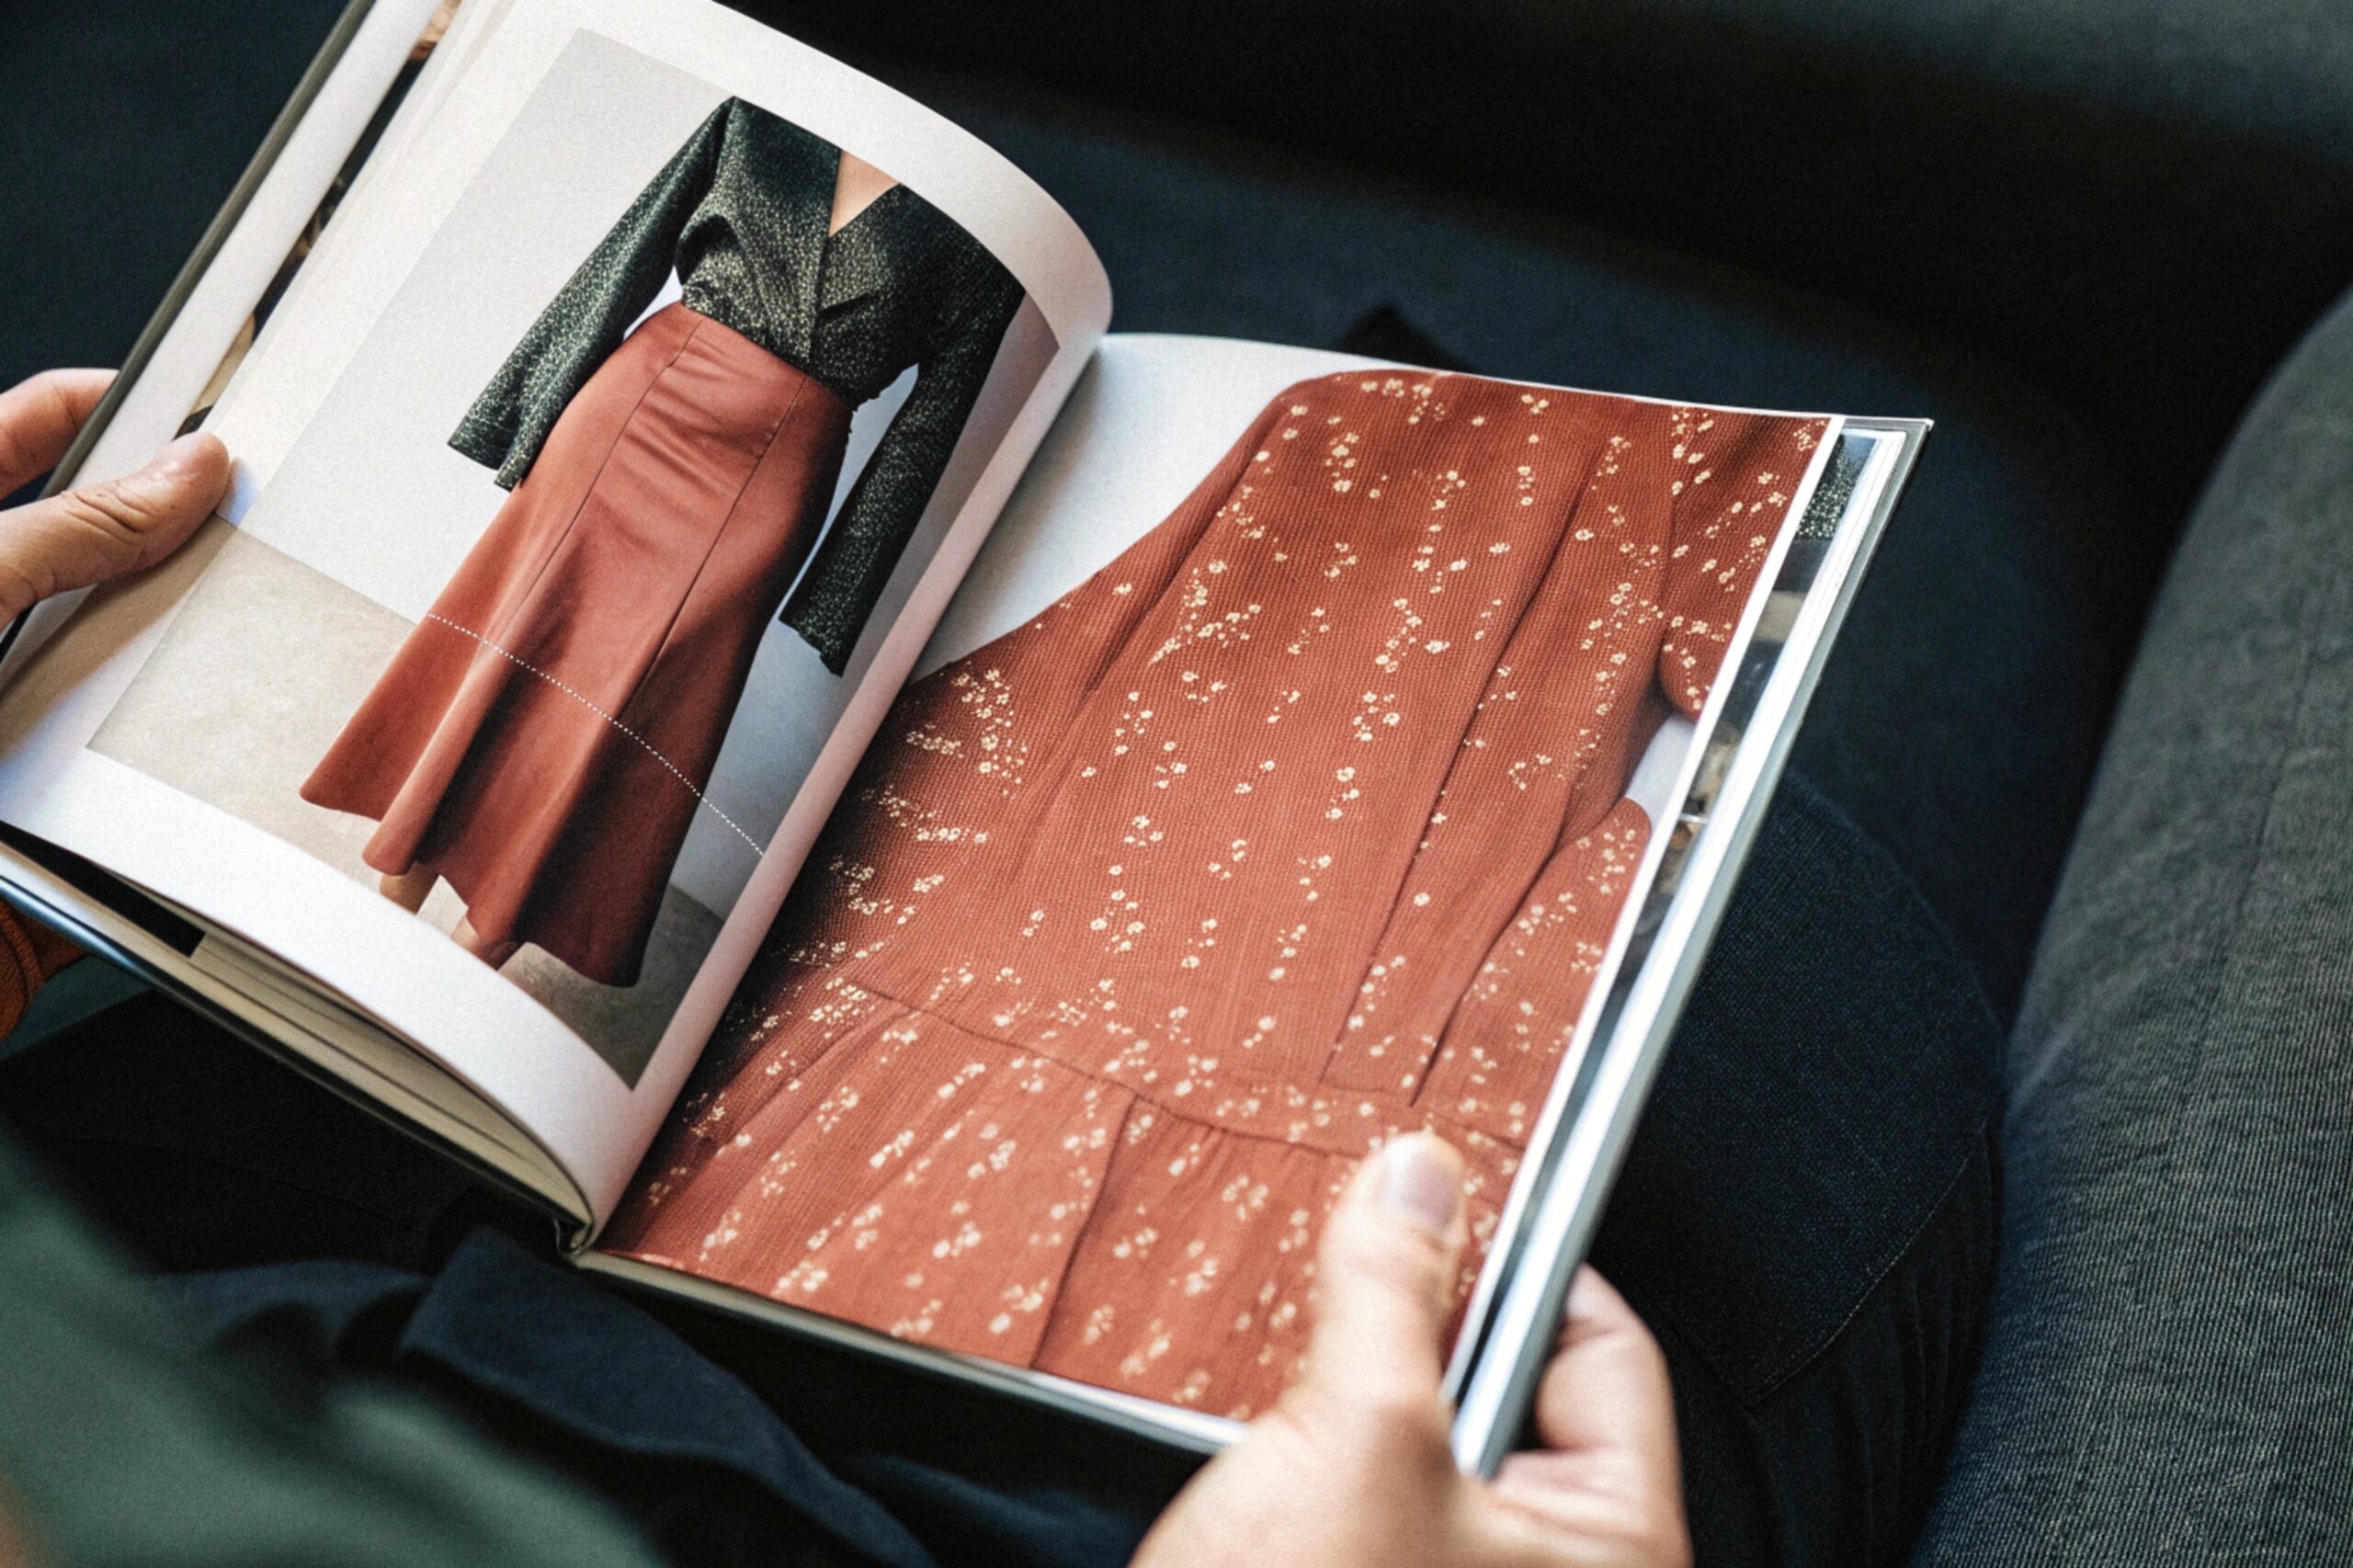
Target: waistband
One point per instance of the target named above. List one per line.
(744, 354)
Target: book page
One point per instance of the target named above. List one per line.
(598, 477)
(1288, 774)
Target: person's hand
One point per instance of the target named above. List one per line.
(73, 540)
(1352, 1467)
(94, 531)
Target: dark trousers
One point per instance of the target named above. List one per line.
(1806, 1221)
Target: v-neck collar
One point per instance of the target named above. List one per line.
(887, 233)
(859, 216)
(807, 169)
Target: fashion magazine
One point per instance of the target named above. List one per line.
(724, 697)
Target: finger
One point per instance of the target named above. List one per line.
(1579, 1521)
(1607, 1389)
(93, 532)
(39, 417)
(1609, 1475)
(1385, 1281)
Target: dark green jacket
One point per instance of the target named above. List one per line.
(124, 1443)
(740, 213)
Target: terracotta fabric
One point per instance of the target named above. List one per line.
(29, 956)
(543, 738)
(1301, 823)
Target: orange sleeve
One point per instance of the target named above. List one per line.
(1734, 476)
(30, 954)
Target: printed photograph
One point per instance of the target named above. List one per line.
(538, 627)
(1305, 820)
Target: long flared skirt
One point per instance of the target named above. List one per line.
(543, 737)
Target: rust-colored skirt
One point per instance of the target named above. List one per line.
(543, 737)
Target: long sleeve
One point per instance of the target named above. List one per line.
(854, 563)
(1734, 475)
(586, 321)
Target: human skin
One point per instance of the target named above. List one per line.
(1352, 1468)
(93, 531)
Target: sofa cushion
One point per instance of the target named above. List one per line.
(2169, 1372)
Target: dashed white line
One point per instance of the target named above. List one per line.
(523, 663)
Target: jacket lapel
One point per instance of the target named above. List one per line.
(864, 258)
(803, 167)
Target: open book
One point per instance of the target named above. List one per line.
(723, 699)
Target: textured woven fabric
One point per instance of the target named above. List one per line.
(2170, 1373)
(128, 1445)
(741, 214)
(1302, 822)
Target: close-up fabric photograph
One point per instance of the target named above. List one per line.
(1324, 785)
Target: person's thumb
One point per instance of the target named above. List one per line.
(1384, 1289)
(95, 531)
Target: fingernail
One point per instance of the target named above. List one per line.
(176, 461)
(1421, 1183)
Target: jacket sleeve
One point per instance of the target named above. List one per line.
(507, 424)
(854, 562)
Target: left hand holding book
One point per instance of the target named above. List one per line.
(73, 540)
(99, 530)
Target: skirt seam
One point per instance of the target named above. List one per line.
(1078, 1242)
(717, 535)
(555, 545)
